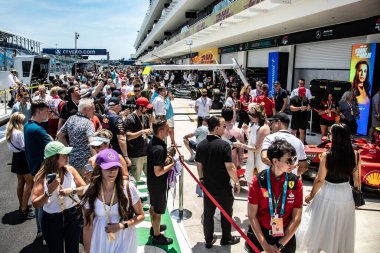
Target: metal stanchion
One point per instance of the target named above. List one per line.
(311, 124)
(5, 102)
(181, 213)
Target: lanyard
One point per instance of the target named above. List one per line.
(107, 212)
(204, 102)
(285, 187)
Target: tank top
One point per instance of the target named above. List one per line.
(56, 203)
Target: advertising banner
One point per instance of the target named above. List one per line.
(208, 56)
(361, 77)
(272, 71)
(67, 51)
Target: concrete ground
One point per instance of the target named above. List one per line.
(367, 217)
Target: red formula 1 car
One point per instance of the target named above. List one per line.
(370, 160)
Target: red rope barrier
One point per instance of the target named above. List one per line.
(230, 220)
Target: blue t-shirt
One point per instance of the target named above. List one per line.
(169, 109)
(36, 138)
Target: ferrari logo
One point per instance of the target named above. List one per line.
(291, 184)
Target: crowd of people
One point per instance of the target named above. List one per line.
(79, 150)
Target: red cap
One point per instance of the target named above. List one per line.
(143, 102)
(302, 92)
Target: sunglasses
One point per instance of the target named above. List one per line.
(96, 147)
(136, 90)
(291, 160)
(26, 97)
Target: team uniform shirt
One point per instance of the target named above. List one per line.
(294, 141)
(279, 99)
(157, 153)
(244, 98)
(266, 102)
(203, 106)
(325, 105)
(259, 196)
(114, 123)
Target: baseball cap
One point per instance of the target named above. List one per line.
(97, 141)
(283, 117)
(107, 159)
(276, 82)
(302, 92)
(54, 148)
(116, 93)
(143, 102)
(113, 101)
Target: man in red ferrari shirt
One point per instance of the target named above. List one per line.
(265, 101)
(275, 202)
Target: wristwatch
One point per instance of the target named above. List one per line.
(47, 194)
(125, 225)
(75, 190)
(280, 246)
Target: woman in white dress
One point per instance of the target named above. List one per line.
(328, 224)
(111, 208)
(259, 130)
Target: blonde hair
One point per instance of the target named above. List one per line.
(244, 89)
(54, 91)
(16, 121)
(105, 133)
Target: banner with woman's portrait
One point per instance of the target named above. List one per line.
(361, 76)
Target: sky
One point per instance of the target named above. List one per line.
(103, 24)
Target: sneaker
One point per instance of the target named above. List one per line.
(232, 241)
(208, 245)
(162, 228)
(162, 240)
(44, 242)
(39, 235)
(26, 215)
(192, 158)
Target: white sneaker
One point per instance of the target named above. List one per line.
(192, 158)
(44, 242)
(39, 234)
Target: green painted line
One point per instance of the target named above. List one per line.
(143, 236)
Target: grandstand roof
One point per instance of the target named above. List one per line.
(5, 34)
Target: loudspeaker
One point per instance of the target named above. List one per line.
(167, 33)
(190, 14)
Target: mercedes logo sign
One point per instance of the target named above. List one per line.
(58, 51)
(318, 34)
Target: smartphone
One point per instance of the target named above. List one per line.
(88, 168)
(51, 177)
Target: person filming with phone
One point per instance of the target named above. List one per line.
(55, 190)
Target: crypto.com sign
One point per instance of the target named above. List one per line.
(71, 52)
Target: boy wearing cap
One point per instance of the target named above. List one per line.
(137, 130)
(299, 106)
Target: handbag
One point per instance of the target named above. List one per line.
(357, 193)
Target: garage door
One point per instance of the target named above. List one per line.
(333, 54)
(227, 58)
(259, 58)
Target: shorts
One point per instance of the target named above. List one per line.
(375, 122)
(325, 122)
(158, 200)
(19, 163)
(299, 124)
(171, 122)
(193, 145)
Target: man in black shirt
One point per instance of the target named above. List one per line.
(71, 107)
(137, 130)
(280, 97)
(215, 169)
(157, 180)
(299, 106)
